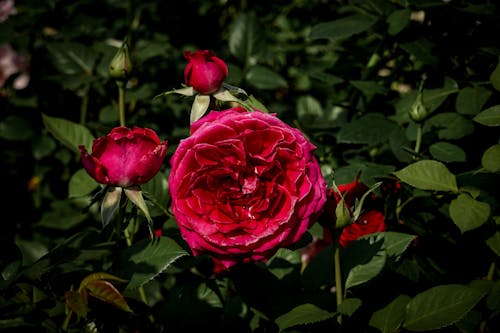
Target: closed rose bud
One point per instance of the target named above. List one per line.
(125, 157)
(121, 66)
(204, 72)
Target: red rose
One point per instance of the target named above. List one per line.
(204, 72)
(367, 223)
(371, 219)
(125, 157)
(243, 185)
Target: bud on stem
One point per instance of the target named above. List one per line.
(121, 66)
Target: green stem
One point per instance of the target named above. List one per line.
(121, 103)
(491, 272)
(66, 320)
(85, 104)
(419, 139)
(338, 282)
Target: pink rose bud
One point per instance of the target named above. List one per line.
(243, 185)
(204, 72)
(125, 157)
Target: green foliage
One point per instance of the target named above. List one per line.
(345, 73)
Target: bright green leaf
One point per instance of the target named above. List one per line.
(69, 133)
(468, 213)
(199, 107)
(428, 175)
(395, 243)
(440, 306)
(303, 314)
(389, 318)
(365, 272)
(491, 158)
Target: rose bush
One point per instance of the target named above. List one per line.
(125, 157)
(205, 72)
(243, 185)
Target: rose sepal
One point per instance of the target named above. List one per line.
(110, 203)
(134, 194)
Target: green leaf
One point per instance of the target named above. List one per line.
(398, 20)
(247, 38)
(447, 152)
(264, 78)
(365, 272)
(187, 91)
(494, 243)
(422, 49)
(16, 128)
(303, 314)
(199, 107)
(450, 125)
(63, 215)
(369, 88)
(468, 213)
(495, 76)
(81, 184)
(440, 306)
(69, 133)
(491, 158)
(349, 306)
(144, 260)
(470, 100)
(428, 175)
(284, 262)
(370, 129)
(308, 107)
(395, 243)
(489, 117)
(156, 192)
(71, 58)
(342, 28)
(389, 318)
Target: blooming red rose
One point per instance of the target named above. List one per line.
(204, 72)
(243, 185)
(125, 157)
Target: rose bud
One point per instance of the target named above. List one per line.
(243, 185)
(121, 66)
(125, 157)
(204, 72)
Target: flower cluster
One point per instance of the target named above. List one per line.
(242, 185)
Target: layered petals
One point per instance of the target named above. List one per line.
(125, 157)
(243, 185)
(204, 72)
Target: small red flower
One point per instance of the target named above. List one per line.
(367, 223)
(125, 157)
(204, 72)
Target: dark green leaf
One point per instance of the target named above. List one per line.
(342, 28)
(491, 158)
(16, 128)
(468, 213)
(450, 126)
(147, 258)
(264, 78)
(440, 306)
(447, 152)
(71, 58)
(371, 129)
(365, 272)
(422, 49)
(247, 38)
(349, 306)
(489, 117)
(398, 20)
(494, 243)
(81, 184)
(470, 100)
(303, 314)
(495, 76)
(389, 318)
